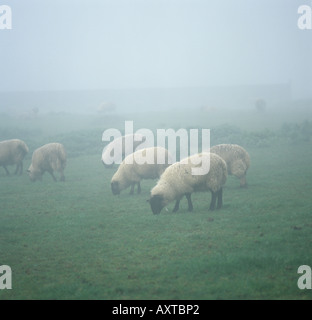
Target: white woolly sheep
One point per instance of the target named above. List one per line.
(178, 180)
(134, 168)
(129, 143)
(50, 157)
(13, 152)
(237, 160)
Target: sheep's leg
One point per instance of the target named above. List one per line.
(213, 200)
(139, 187)
(219, 204)
(62, 178)
(53, 176)
(189, 201)
(132, 188)
(176, 207)
(17, 167)
(7, 171)
(21, 168)
(243, 182)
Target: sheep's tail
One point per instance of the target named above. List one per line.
(23, 148)
(61, 159)
(247, 160)
(225, 172)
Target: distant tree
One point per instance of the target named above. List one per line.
(35, 110)
(208, 108)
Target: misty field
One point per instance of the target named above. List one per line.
(75, 240)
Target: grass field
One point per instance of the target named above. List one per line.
(75, 240)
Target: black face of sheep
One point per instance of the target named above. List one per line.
(33, 177)
(156, 203)
(115, 187)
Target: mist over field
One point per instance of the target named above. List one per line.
(71, 70)
(162, 55)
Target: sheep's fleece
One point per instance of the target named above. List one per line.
(13, 152)
(237, 160)
(133, 169)
(178, 180)
(50, 157)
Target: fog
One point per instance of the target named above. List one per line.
(188, 75)
(153, 53)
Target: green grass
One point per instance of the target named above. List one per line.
(75, 240)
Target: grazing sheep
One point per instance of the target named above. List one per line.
(129, 174)
(125, 142)
(178, 180)
(50, 157)
(237, 160)
(13, 152)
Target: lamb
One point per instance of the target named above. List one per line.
(134, 168)
(178, 180)
(13, 152)
(237, 160)
(127, 144)
(49, 157)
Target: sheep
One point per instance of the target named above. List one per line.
(49, 157)
(106, 107)
(131, 171)
(237, 160)
(13, 152)
(127, 144)
(178, 180)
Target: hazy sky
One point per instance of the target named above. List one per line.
(74, 44)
